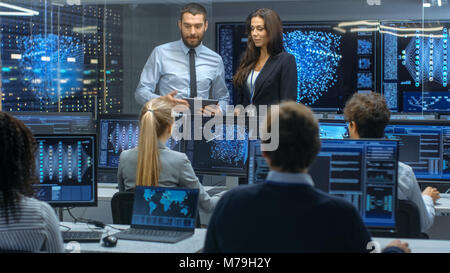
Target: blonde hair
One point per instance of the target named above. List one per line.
(156, 117)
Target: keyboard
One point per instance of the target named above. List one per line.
(153, 235)
(216, 190)
(82, 236)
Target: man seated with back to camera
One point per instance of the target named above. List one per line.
(287, 213)
(368, 115)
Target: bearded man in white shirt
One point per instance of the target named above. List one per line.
(185, 68)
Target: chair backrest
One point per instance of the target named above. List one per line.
(122, 207)
(408, 220)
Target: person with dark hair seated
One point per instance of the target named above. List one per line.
(26, 224)
(286, 213)
(368, 115)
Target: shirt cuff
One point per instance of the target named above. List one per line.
(428, 200)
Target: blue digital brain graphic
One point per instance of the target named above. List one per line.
(317, 56)
(232, 147)
(50, 64)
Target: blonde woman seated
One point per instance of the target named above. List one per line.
(154, 164)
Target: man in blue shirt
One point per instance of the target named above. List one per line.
(287, 213)
(170, 72)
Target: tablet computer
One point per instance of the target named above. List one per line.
(204, 102)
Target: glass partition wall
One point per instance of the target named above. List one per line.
(88, 55)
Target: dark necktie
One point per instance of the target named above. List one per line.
(193, 76)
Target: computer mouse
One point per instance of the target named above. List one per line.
(110, 241)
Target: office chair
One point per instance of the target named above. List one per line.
(408, 222)
(122, 207)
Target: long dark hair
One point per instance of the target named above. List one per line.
(17, 163)
(274, 28)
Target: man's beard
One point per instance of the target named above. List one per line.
(191, 43)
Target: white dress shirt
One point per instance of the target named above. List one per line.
(408, 189)
(167, 69)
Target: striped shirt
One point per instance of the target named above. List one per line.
(35, 229)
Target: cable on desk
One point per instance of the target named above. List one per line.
(87, 221)
(68, 228)
(119, 229)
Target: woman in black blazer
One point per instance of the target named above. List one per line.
(267, 74)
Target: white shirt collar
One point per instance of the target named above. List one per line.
(198, 49)
(299, 178)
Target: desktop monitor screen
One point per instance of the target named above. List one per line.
(414, 65)
(57, 123)
(257, 166)
(332, 62)
(118, 133)
(333, 129)
(423, 145)
(364, 172)
(66, 170)
(218, 145)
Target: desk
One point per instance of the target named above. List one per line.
(443, 205)
(439, 230)
(192, 244)
(103, 210)
(195, 243)
(419, 245)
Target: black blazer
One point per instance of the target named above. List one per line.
(276, 82)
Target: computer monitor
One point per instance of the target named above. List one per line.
(415, 65)
(116, 134)
(333, 129)
(424, 145)
(257, 165)
(57, 122)
(364, 172)
(224, 151)
(66, 170)
(332, 63)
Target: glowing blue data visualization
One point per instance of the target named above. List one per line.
(423, 145)
(119, 133)
(51, 66)
(331, 64)
(116, 135)
(333, 130)
(66, 59)
(223, 151)
(317, 58)
(165, 207)
(65, 168)
(364, 172)
(415, 66)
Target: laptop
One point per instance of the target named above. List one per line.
(160, 214)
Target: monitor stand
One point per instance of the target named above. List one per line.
(60, 214)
